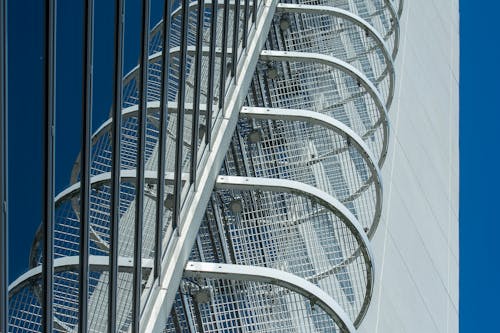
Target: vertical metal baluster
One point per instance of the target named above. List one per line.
(4, 246)
(245, 23)
(211, 73)
(197, 92)
(254, 15)
(86, 143)
(48, 166)
(180, 118)
(223, 69)
(236, 34)
(141, 148)
(116, 164)
(160, 194)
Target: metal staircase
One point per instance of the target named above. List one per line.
(269, 129)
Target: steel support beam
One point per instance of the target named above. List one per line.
(162, 297)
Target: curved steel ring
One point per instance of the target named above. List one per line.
(273, 276)
(174, 51)
(337, 127)
(356, 20)
(68, 264)
(350, 70)
(314, 9)
(96, 181)
(400, 7)
(131, 111)
(394, 19)
(395, 28)
(327, 201)
(96, 263)
(395, 14)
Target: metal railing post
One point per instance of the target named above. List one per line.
(115, 164)
(48, 165)
(197, 92)
(162, 137)
(85, 166)
(141, 147)
(211, 73)
(179, 133)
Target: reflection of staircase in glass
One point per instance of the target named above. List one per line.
(296, 122)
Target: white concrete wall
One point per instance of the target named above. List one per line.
(416, 244)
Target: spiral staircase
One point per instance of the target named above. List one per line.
(283, 131)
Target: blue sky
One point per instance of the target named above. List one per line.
(479, 129)
(479, 188)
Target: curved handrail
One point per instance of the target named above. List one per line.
(131, 111)
(327, 201)
(277, 277)
(350, 70)
(356, 20)
(96, 181)
(337, 127)
(96, 263)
